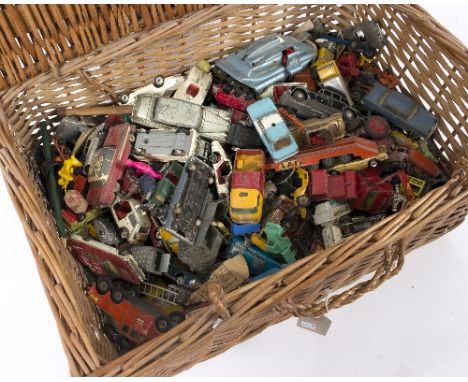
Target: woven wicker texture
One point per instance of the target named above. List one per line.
(429, 62)
(36, 37)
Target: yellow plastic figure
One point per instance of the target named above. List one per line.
(300, 194)
(66, 173)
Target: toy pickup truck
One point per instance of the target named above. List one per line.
(247, 187)
(401, 110)
(108, 165)
(166, 113)
(272, 130)
(196, 85)
(266, 61)
(343, 150)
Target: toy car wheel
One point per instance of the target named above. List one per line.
(349, 114)
(303, 200)
(158, 81)
(377, 127)
(227, 88)
(124, 234)
(116, 187)
(346, 158)
(238, 92)
(357, 95)
(176, 318)
(103, 286)
(249, 96)
(299, 94)
(328, 162)
(124, 98)
(213, 158)
(373, 163)
(117, 295)
(182, 130)
(131, 138)
(162, 324)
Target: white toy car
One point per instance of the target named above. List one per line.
(161, 86)
(133, 222)
(196, 85)
(222, 167)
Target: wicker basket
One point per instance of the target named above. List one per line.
(73, 55)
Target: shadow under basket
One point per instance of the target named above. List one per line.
(65, 56)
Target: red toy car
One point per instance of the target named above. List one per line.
(225, 95)
(108, 165)
(135, 319)
(323, 186)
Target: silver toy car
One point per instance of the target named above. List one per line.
(165, 113)
(165, 145)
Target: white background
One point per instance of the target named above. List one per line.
(414, 325)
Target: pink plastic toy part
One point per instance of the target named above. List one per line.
(143, 168)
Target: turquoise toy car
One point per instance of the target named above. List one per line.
(272, 130)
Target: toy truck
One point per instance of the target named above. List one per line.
(108, 166)
(401, 110)
(264, 62)
(165, 113)
(272, 130)
(104, 260)
(135, 319)
(189, 200)
(247, 187)
(343, 150)
(375, 194)
(323, 186)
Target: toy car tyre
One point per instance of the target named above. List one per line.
(328, 162)
(373, 163)
(377, 127)
(227, 88)
(177, 152)
(249, 95)
(123, 98)
(116, 187)
(357, 95)
(103, 286)
(182, 130)
(159, 81)
(162, 324)
(299, 94)
(346, 158)
(349, 115)
(117, 295)
(176, 318)
(131, 138)
(303, 200)
(124, 234)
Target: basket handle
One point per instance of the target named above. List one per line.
(392, 264)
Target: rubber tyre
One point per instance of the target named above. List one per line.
(162, 324)
(176, 318)
(159, 81)
(117, 295)
(103, 286)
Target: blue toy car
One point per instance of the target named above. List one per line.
(402, 110)
(266, 61)
(272, 130)
(259, 262)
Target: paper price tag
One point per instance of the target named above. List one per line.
(317, 325)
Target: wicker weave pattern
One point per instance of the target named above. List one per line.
(430, 63)
(36, 37)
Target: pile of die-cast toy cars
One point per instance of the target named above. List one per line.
(228, 173)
